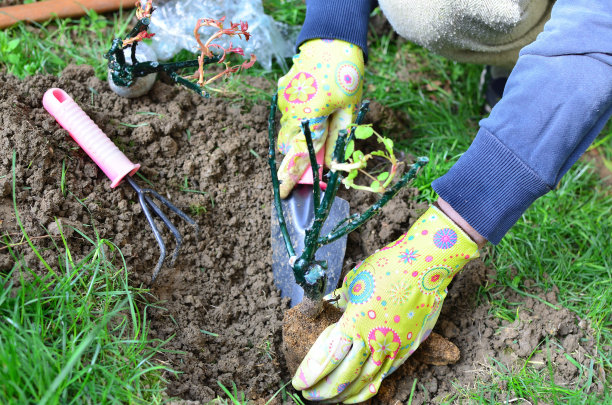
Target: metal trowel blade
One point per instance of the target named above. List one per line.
(298, 209)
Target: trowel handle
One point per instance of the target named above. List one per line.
(88, 135)
(307, 177)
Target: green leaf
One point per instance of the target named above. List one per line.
(12, 44)
(352, 174)
(363, 132)
(383, 176)
(13, 58)
(349, 149)
(375, 185)
(388, 145)
(358, 156)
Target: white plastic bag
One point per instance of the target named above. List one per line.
(173, 22)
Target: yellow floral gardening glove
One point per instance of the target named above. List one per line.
(324, 85)
(391, 302)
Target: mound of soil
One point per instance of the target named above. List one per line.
(219, 301)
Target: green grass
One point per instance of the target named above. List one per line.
(566, 236)
(290, 12)
(74, 331)
(49, 47)
(528, 384)
(562, 240)
(524, 382)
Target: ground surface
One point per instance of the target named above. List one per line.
(219, 304)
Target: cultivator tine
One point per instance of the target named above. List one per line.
(156, 233)
(170, 225)
(146, 201)
(173, 208)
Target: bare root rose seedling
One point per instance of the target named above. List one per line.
(309, 273)
(125, 73)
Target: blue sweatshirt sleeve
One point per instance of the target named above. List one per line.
(338, 19)
(556, 101)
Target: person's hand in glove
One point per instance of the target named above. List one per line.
(324, 85)
(391, 302)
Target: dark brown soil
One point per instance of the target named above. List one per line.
(222, 283)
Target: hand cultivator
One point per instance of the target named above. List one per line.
(115, 165)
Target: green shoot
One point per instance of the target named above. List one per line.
(356, 161)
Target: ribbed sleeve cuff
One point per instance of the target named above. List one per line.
(490, 187)
(335, 19)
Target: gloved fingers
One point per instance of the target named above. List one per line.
(430, 319)
(384, 345)
(391, 365)
(292, 143)
(401, 358)
(291, 132)
(342, 376)
(371, 388)
(338, 121)
(330, 348)
(370, 370)
(290, 171)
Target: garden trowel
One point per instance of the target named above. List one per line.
(299, 215)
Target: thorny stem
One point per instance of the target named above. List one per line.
(365, 106)
(272, 163)
(314, 165)
(312, 234)
(140, 30)
(124, 74)
(138, 33)
(190, 85)
(349, 226)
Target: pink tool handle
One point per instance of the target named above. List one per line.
(89, 136)
(307, 177)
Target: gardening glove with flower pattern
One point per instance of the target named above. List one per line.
(391, 302)
(324, 85)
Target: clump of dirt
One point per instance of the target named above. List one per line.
(300, 331)
(219, 302)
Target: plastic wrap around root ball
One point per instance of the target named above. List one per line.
(173, 23)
